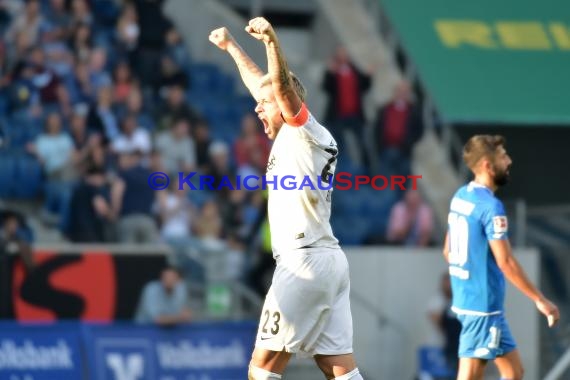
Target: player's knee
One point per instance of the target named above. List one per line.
(518, 374)
(352, 375)
(256, 373)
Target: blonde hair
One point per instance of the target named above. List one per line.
(482, 146)
(297, 85)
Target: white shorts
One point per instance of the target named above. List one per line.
(307, 308)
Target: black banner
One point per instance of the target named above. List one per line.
(96, 286)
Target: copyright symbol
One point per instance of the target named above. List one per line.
(158, 181)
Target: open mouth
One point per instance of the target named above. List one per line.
(265, 124)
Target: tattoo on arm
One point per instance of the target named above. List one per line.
(284, 77)
(279, 70)
(249, 71)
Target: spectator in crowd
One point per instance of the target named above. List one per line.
(164, 302)
(123, 82)
(16, 50)
(78, 128)
(397, 128)
(54, 149)
(132, 200)
(9, 10)
(128, 31)
(252, 147)
(176, 214)
(30, 21)
(151, 42)
(346, 86)
(50, 88)
(170, 75)
(132, 138)
(79, 85)
(411, 221)
(175, 107)
(101, 117)
(235, 258)
(208, 227)
(81, 42)
(177, 148)
(446, 325)
(59, 19)
(203, 142)
(155, 162)
(232, 209)
(12, 242)
(23, 96)
(59, 59)
(81, 13)
(91, 215)
(134, 105)
(98, 74)
(176, 49)
(220, 164)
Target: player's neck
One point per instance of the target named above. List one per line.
(486, 181)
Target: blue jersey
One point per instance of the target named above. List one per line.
(476, 216)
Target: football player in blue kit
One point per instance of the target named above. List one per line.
(479, 255)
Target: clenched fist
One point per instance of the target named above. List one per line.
(221, 37)
(261, 29)
(549, 310)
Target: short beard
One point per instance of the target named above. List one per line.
(501, 177)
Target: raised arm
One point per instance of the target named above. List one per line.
(287, 99)
(509, 265)
(250, 73)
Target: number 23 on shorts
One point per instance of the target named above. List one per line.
(271, 322)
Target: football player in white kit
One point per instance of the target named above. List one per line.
(307, 308)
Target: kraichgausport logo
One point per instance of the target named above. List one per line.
(342, 181)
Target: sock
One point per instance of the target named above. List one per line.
(352, 375)
(256, 373)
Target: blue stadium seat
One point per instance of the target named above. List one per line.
(224, 84)
(197, 100)
(204, 77)
(22, 129)
(28, 177)
(3, 104)
(147, 122)
(15, 136)
(346, 202)
(350, 230)
(7, 175)
(244, 103)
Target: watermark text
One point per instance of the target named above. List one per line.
(342, 181)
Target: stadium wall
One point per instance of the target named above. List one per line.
(391, 288)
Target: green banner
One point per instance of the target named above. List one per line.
(490, 61)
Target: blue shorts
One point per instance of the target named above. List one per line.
(484, 337)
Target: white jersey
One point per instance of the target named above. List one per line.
(301, 218)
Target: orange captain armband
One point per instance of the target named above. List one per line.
(299, 119)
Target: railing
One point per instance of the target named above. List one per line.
(559, 368)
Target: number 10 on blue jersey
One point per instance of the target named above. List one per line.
(458, 244)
